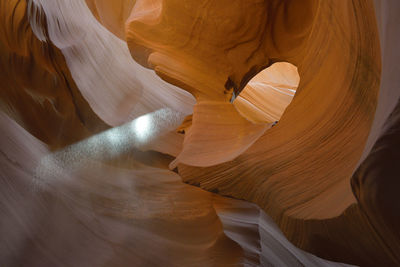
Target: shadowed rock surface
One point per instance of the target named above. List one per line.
(89, 135)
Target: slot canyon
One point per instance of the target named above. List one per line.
(199, 133)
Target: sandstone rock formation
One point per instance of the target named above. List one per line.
(300, 170)
(37, 89)
(287, 112)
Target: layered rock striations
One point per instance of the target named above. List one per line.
(287, 111)
(37, 89)
(299, 171)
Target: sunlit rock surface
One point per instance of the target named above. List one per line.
(262, 133)
(267, 95)
(76, 207)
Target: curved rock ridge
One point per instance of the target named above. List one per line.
(75, 207)
(212, 51)
(116, 87)
(206, 148)
(211, 48)
(299, 171)
(334, 105)
(283, 114)
(71, 208)
(262, 241)
(36, 86)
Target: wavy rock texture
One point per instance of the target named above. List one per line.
(267, 95)
(347, 99)
(37, 89)
(83, 182)
(325, 126)
(262, 241)
(180, 41)
(78, 207)
(209, 148)
(66, 210)
(299, 171)
(100, 64)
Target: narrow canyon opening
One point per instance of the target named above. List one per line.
(266, 96)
